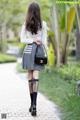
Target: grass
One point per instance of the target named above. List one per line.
(62, 92)
(4, 58)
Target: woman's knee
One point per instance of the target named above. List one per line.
(36, 74)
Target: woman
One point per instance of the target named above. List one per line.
(33, 32)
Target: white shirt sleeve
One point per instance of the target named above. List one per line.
(45, 34)
(25, 36)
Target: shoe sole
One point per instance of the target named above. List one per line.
(33, 113)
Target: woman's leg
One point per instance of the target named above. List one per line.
(35, 80)
(33, 77)
(35, 89)
(30, 78)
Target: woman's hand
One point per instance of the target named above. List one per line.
(38, 42)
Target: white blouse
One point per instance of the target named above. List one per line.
(27, 37)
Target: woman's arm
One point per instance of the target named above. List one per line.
(25, 37)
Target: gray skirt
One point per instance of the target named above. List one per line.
(28, 58)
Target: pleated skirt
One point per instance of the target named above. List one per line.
(28, 58)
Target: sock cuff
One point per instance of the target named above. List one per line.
(30, 80)
(35, 92)
(34, 80)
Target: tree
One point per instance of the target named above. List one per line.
(64, 24)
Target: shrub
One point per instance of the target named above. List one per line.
(70, 72)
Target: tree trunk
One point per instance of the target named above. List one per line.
(55, 27)
(1, 41)
(65, 45)
(64, 53)
(78, 43)
(78, 34)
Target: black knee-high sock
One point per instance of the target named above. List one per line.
(31, 96)
(31, 90)
(35, 98)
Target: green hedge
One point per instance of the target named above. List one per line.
(4, 58)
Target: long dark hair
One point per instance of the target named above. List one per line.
(33, 20)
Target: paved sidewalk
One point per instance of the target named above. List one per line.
(14, 97)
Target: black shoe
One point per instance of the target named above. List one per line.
(33, 111)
